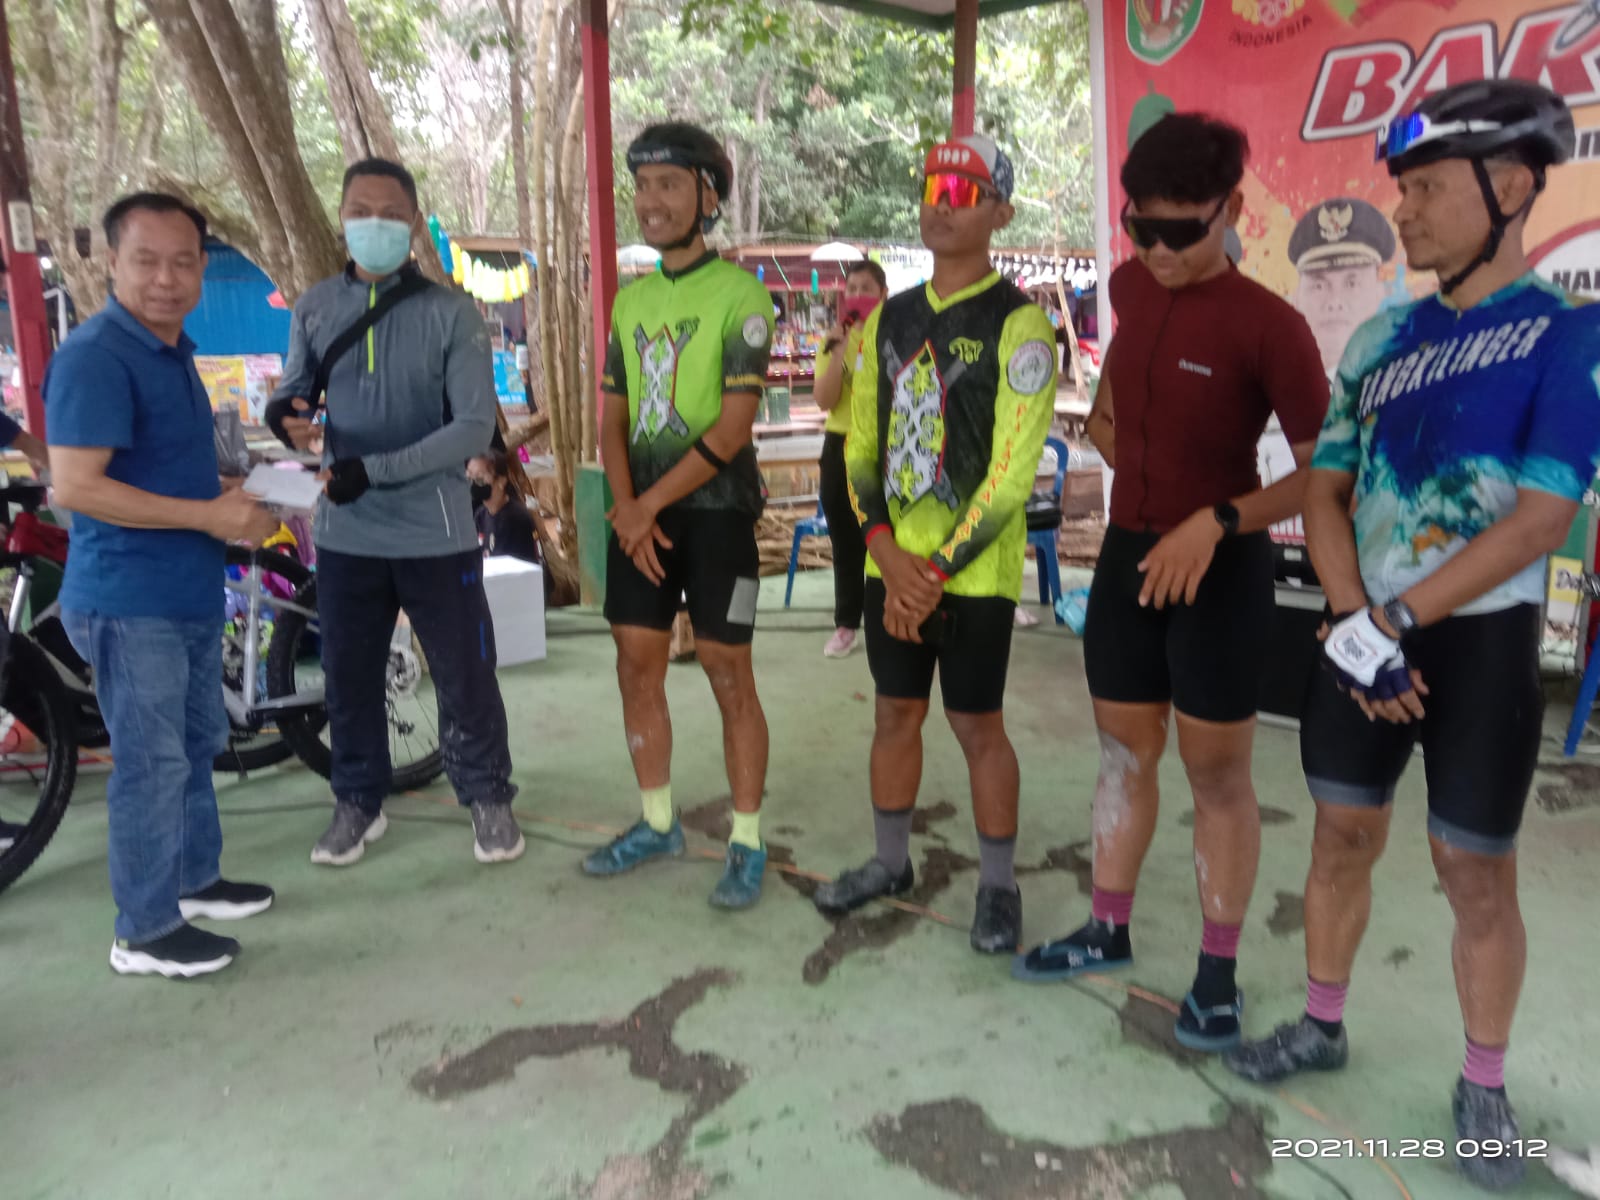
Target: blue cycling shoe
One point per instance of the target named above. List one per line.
(740, 885)
(637, 846)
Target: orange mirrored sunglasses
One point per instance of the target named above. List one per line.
(958, 191)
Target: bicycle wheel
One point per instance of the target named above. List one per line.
(294, 668)
(38, 757)
(256, 741)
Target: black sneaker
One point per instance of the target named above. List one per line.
(224, 901)
(1292, 1048)
(997, 924)
(855, 888)
(181, 954)
(347, 836)
(1483, 1115)
(1098, 946)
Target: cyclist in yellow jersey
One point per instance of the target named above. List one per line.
(865, 286)
(954, 394)
(683, 374)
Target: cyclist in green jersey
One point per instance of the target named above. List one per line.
(954, 394)
(683, 374)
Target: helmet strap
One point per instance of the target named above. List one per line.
(701, 225)
(1499, 222)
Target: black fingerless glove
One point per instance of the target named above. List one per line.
(275, 414)
(348, 480)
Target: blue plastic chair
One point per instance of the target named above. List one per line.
(814, 526)
(1043, 541)
(1587, 691)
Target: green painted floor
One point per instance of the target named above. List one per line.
(421, 1026)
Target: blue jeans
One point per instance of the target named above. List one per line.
(159, 683)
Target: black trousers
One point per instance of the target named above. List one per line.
(849, 550)
(358, 602)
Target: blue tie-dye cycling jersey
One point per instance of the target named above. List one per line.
(1442, 415)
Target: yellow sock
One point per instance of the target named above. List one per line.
(658, 807)
(746, 830)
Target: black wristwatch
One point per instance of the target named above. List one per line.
(1228, 517)
(1401, 618)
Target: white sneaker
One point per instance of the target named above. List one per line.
(841, 644)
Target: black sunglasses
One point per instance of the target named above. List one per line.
(1176, 233)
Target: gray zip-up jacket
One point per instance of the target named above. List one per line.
(386, 405)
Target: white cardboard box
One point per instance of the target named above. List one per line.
(516, 603)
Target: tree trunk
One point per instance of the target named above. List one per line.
(206, 40)
(763, 94)
(365, 128)
(549, 368)
(52, 82)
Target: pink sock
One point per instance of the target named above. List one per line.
(1220, 941)
(1485, 1065)
(1115, 907)
(1325, 1001)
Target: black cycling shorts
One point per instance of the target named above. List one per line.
(713, 562)
(1208, 658)
(1480, 737)
(968, 641)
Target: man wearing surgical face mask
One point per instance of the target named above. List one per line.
(407, 406)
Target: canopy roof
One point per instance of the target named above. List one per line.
(931, 14)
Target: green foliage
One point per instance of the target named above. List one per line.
(855, 102)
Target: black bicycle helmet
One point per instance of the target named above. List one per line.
(1478, 121)
(679, 144)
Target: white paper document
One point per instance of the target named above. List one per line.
(295, 491)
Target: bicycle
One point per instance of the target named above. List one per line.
(272, 686)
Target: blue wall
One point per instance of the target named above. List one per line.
(234, 316)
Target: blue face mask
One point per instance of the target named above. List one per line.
(379, 247)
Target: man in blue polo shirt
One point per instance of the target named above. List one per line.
(134, 457)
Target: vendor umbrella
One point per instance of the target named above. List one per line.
(836, 252)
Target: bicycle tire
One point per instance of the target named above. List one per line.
(241, 757)
(35, 695)
(303, 730)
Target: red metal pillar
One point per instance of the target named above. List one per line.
(602, 177)
(966, 55)
(30, 321)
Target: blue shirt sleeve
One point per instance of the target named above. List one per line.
(8, 430)
(1563, 447)
(88, 398)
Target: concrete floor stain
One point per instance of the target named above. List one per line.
(953, 1145)
(1289, 916)
(856, 932)
(647, 1036)
(1075, 858)
(1149, 1026)
(1579, 787)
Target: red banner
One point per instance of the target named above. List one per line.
(1311, 82)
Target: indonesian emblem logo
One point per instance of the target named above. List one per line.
(1158, 29)
(1333, 222)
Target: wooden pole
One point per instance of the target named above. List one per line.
(602, 183)
(966, 75)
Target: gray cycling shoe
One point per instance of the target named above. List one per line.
(860, 886)
(1292, 1048)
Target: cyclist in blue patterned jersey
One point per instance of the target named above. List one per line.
(1465, 428)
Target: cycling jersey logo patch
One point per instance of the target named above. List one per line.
(755, 332)
(1030, 367)
(658, 367)
(915, 466)
(967, 350)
